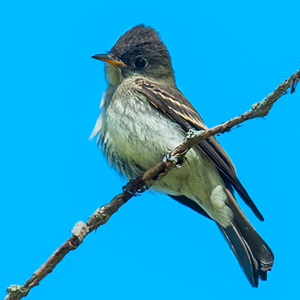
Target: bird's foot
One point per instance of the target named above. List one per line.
(173, 161)
(130, 188)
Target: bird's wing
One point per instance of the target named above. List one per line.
(171, 102)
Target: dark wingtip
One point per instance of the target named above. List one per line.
(247, 199)
(259, 215)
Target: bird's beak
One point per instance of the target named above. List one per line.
(109, 58)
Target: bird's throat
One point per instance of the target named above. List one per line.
(113, 74)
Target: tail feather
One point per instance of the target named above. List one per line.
(241, 252)
(252, 252)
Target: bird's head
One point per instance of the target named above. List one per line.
(138, 52)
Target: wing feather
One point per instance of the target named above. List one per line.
(171, 102)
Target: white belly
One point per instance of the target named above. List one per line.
(135, 136)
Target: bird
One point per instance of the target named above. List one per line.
(143, 116)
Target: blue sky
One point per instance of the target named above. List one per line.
(227, 55)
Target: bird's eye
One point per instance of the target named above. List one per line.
(140, 63)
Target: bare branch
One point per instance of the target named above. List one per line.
(170, 161)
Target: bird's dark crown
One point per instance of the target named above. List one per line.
(142, 42)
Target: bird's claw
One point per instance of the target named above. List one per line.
(129, 188)
(173, 160)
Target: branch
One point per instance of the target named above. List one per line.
(172, 160)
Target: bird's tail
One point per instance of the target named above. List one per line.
(252, 252)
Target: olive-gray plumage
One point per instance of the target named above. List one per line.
(144, 115)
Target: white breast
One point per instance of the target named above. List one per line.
(134, 136)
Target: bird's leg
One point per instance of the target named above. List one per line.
(130, 188)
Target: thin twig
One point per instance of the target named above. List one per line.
(170, 161)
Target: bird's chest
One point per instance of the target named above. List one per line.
(135, 135)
